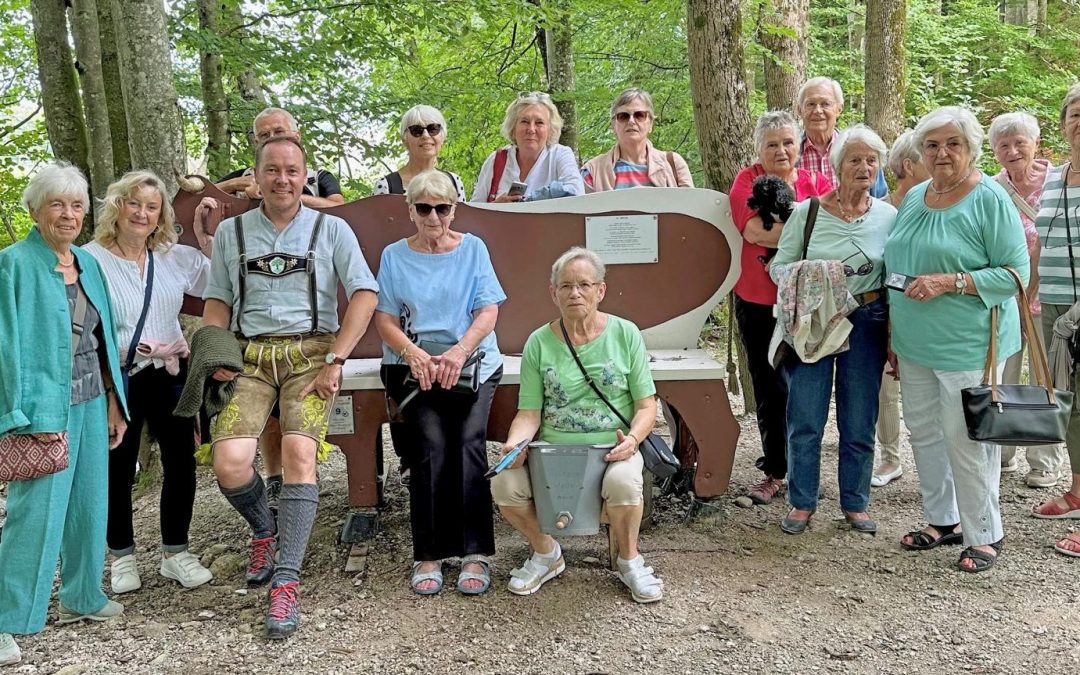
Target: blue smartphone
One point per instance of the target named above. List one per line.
(507, 459)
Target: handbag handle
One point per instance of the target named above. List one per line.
(1036, 350)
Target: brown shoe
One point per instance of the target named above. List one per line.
(763, 492)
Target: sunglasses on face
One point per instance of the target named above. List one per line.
(426, 209)
(638, 115)
(417, 130)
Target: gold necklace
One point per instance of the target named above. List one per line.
(844, 213)
(126, 256)
(954, 185)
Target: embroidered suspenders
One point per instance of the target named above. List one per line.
(279, 265)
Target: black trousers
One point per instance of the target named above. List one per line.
(449, 498)
(756, 324)
(152, 397)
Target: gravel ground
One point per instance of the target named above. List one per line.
(741, 597)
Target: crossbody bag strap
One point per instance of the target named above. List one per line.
(1023, 206)
(588, 378)
(313, 288)
(78, 320)
(497, 172)
(242, 256)
(811, 221)
(137, 335)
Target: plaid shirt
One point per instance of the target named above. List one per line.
(815, 161)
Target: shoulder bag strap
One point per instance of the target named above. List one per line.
(811, 221)
(78, 319)
(1025, 208)
(588, 378)
(394, 184)
(242, 256)
(133, 346)
(497, 172)
(671, 162)
(313, 289)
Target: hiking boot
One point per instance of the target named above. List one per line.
(111, 609)
(124, 575)
(261, 566)
(284, 616)
(273, 493)
(185, 568)
(763, 492)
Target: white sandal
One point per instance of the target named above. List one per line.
(536, 571)
(644, 586)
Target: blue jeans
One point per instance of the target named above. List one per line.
(858, 379)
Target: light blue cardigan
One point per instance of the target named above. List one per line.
(35, 331)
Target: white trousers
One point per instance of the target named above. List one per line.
(958, 477)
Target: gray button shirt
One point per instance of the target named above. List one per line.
(275, 305)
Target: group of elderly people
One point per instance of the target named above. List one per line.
(954, 232)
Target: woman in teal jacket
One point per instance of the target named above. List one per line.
(46, 391)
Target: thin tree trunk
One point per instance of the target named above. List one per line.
(84, 26)
(560, 69)
(149, 93)
(60, 97)
(785, 60)
(1040, 18)
(856, 48)
(218, 147)
(718, 89)
(114, 91)
(885, 73)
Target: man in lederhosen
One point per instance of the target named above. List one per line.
(274, 278)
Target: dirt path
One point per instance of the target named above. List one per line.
(741, 597)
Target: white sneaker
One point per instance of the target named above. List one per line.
(9, 651)
(1041, 479)
(1010, 466)
(185, 568)
(124, 575)
(644, 586)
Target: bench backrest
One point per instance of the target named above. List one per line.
(669, 300)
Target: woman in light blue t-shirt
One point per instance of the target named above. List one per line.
(438, 302)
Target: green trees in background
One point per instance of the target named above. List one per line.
(349, 69)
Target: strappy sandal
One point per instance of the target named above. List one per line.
(924, 541)
(1052, 511)
(419, 577)
(1069, 545)
(483, 577)
(535, 573)
(644, 586)
(983, 560)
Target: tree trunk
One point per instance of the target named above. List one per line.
(84, 27)
(718, 89)
(785, 60)
(114, 92)
(153, 115)
(1040, 18)
(885, 76)
(218, 148)
(60, 97)
(560, 69)
(856, 48)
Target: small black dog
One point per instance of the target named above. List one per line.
(774, 200)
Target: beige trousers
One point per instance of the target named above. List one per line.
(623, 484)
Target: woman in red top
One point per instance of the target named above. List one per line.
(776, 141)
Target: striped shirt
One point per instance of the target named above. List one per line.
(627, 175)
(1058, 225)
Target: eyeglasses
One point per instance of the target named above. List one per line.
(417, 130)
(584, 287)
(426, 209)
(638, 115)
(1065, 222)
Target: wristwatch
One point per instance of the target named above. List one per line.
(334, 359)
(961, 282)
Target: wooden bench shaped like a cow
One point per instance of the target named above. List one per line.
(685, 258)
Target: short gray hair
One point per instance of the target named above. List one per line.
(964, 120)
(422, 115)
(859, 133)
(1013, 124)
(1071, 96)
(628, 96)
(771, 120)
(526, 100)
(431, 183)
(837, 92)
(268, 112)
(577, 253)
(903, 148)
(58, 179)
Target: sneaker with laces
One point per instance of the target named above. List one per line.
(764, 492)
(261, 565)
(1041, 479)
(110, 610)
(273, 493)
(284, 616)
(9, 651)
(185, 568)
(124, 575)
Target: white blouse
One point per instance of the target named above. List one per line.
(178, 270)
(556, 162)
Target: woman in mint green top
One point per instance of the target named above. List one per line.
(556, 400)
(955, 234)
(851, 227)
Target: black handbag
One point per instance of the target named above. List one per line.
(1017, 414)
(468, 381)
(658, 457)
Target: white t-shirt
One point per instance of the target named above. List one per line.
(556, 163)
